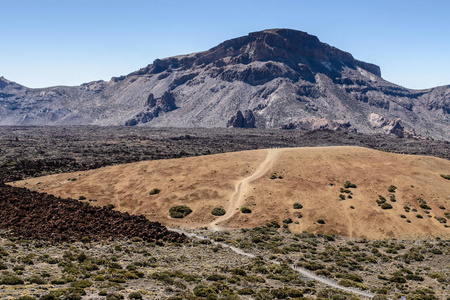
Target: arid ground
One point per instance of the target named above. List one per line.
(270, 182)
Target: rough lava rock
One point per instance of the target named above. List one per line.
(33, 215)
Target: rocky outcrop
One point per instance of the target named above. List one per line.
(394, 127)
(31, 215)
(314, 123)
(246, 120)
(165, 103)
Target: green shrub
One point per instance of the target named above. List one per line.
(320, 221)
(11, 280)
(397, 279)
(58, 281)
(110, 206)
(297, 205)
(154, 191)
(205, 291)
(342, 197)
(419, 216)
(414, 277)
(218, 211)
(36, 280)
(392, 189)
(273, 176)
(3, 266)
(348, 184)
(215, 277)
(246, 210)
(381, 200)
(246, 291)
(81, 284)
(82, 198)
(26, 298)
(288, 221)
(114, 296)
(386, 206)
(239, 272)
(135, 295)
(445, 176)
(3, 252)
(424, 206)
(179, 211)
(273, 224)
(392, 198)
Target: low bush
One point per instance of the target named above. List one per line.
(114, 296)
(246, 291)
(425, 206)
(179, 211)
(320, 221)
(154, 191)
(386, 206)
(246, 210)
(11, 280)
(36, 280)
(135, 296)
(297, 205)
(392, 189)
(348, 184)
(288, 221)
(273, 224)
(3, 266)
(218, 211)
(445, 176)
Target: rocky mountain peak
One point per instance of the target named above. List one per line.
(301, 52)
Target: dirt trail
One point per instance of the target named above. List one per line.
(237, 198)
(302, 271)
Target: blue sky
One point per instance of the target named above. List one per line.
(68, 42)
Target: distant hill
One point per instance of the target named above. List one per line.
(277, 78)
(396, 195)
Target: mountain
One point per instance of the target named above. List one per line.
(277, 78)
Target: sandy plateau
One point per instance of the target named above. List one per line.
(312, 177)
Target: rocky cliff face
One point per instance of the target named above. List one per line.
(276, 78)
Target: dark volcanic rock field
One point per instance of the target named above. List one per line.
(31, 215)
(34, 151)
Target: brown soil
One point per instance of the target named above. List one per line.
(33, 215)
(206, 182)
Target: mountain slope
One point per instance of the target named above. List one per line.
(268, 79)
(312, 177)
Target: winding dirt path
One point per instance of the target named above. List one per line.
(237, 199)
(302, 271)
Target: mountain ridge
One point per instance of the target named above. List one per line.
(279, 78)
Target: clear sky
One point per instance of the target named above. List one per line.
(69, 42)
